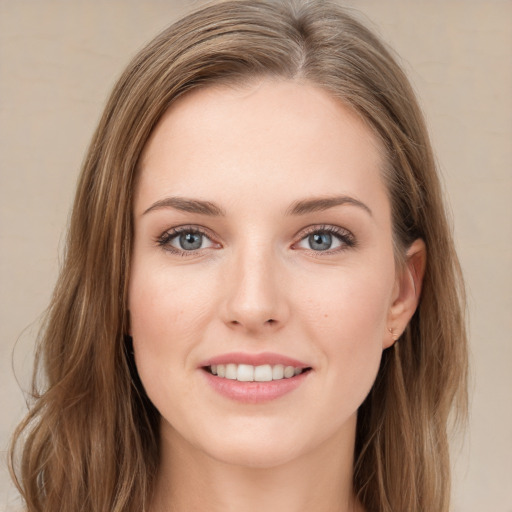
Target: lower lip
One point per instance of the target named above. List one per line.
(254, 392)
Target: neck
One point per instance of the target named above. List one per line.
(320, 479)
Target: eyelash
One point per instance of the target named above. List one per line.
(165, 239)
(346, 238)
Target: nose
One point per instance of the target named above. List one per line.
(256, 299)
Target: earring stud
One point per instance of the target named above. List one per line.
(393, 335)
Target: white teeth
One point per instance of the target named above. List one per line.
(231, 371)
(263, 373)
(245, 373)
(277, 372)
(289, 371)
(249, 373)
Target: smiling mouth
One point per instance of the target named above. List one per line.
(250, 373)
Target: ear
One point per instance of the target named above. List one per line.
(406, 293)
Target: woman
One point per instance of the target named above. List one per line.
(261, 306)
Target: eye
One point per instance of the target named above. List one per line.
(326, 239)
(184, 239)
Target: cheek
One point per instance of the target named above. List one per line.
(346, 316)
(164, 305)
(166, 314)
(346, 305)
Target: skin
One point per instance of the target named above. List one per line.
(257, 285)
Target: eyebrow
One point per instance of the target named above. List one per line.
(301, 207)
(306, 206)
(188, 205)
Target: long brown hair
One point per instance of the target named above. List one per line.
(90, 439)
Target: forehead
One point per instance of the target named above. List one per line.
(266, 136)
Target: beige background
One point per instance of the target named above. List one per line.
(60, 58)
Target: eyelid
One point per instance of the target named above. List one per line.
(171, 233)
(345, 236)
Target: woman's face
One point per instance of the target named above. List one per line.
(263, 240)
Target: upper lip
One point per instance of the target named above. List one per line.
(254, 359)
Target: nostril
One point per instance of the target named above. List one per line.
(253, 323)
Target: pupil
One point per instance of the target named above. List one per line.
(320, 241)
(190, 241)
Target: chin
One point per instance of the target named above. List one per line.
(250, 454)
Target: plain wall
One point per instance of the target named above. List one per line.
(58, 61)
